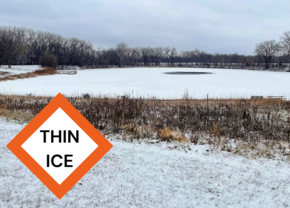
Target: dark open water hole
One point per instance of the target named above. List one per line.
(187, 73)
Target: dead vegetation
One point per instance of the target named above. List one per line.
(168, 135)
(237, 125)
(45, 71)
(41, 72)
(18, 115)
(4, 73)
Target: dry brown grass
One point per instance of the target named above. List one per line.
(46, 71)
(169, 135)
(265, 101)
(4, 73)
(19, 116)
(234, 125)
(41, 72)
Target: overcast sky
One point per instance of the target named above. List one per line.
(224, 26)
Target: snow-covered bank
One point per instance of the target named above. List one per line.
(16, 69)
(223, 83)
(140, 175)
(19, 69)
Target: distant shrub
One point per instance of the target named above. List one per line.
(249, 63)
(48, 60)
(86, 95)
(185, 95)
(46, 70)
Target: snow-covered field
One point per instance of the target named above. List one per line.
(224, 83)
(19, 69)
(143, 175)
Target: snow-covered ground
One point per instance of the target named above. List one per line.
(19, 69)
(16, 69)
(152, 81)
(143, 175)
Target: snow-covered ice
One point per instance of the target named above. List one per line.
(223, 83)
(143, 175)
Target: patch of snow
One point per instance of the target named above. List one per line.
(148, 175)
(19, 69)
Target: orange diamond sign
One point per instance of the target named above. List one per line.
(59, 146)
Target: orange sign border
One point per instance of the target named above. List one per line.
(103, 146)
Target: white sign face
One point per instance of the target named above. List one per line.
(59, 146)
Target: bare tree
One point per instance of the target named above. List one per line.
(121, 52)
(173, 54)
(2, 48)
(136, 55)
(129, 53)
(166, 53)
(266, 50)
(157, 53)
(146, 55)
(14, 44)
(285, 44)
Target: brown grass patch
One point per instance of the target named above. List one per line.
(4, 73)
(41, 72)
(169, 135)
(19, 116)
(46, 71)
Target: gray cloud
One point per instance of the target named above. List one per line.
(224, 26)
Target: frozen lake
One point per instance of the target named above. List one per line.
(223, 83)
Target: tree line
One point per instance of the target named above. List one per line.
(28, 47)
